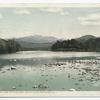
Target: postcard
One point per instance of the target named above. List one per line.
(49, 50)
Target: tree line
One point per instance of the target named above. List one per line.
(91, 45)
(8, 46)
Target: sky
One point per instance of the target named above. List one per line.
(61, 22)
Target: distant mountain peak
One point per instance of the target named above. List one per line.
(88, 36)
(85, 38)
(37, 39)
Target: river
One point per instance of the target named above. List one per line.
(50, 71)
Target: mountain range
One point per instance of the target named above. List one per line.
(38, 42)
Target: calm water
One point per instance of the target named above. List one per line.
(50, 71)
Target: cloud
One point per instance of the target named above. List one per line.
(92, 19)
(22, 11)
(58, 10)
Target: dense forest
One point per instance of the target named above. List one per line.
(91, 45)
(8, 46)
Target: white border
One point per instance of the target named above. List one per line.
(49, 1)
(49, 93)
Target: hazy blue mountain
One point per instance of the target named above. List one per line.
(37, 39)
(85, 38)
(36, 42)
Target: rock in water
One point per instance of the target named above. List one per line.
(3, 71)
(35, 86)
(42, 86)
(13, 87)
(15, 60)
(72, 89)
(13, 68)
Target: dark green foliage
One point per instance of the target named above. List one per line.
(93, 44)
(74, 45)
(8, 46)
(12, 46)
(3, 46)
